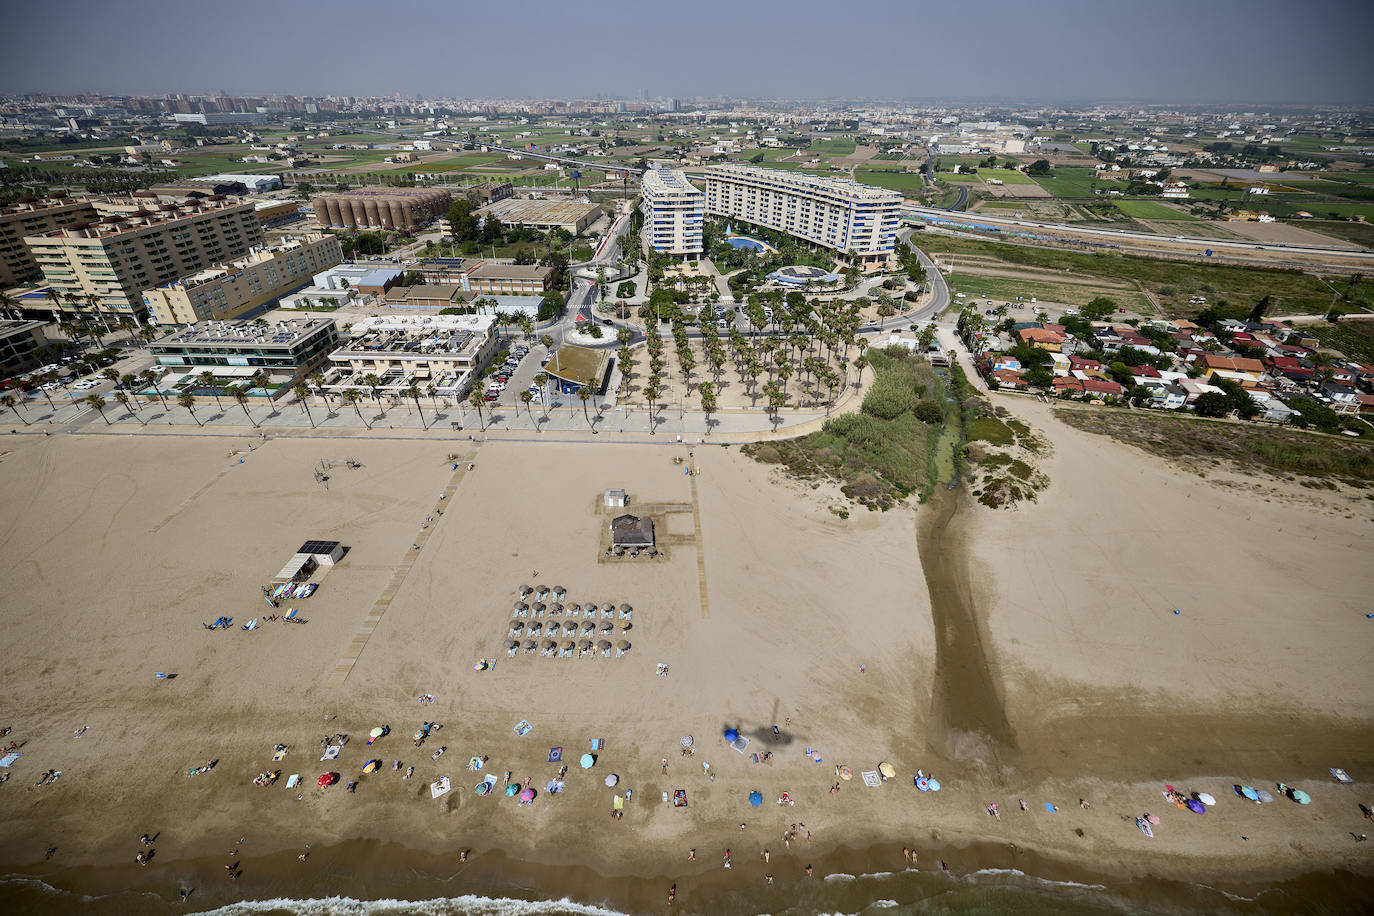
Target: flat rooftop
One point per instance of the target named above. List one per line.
(488, 270)
(578, 365)
(243, 333)
(662, 181)
(845, 187)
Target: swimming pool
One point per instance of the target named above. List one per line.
(743, 241)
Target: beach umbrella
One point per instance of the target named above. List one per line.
(482, 788)
(589, 609)
(624, 645)
(732, 735)
(1206, 799)
(588, 760)
(625, 609)
(603, 644)
(512, 644)
(371, 766)
(923, 784)
(686, 740)
(1263, 795)
(377, 732)
(612, 779)
(326, 779)
(521, 606)
(755, 798)
(556, 610)
(568, 645)
(539, 609)
(1152, 818)
(588, 628)
(560, 592)
(574, 610)
(524, 590)
(569, 628)
(527, 795)
(846, 773)
(607, 626)
(627, 626)
(550, 644)
(531, 644)
(1299, 796)
(1246, 792)
(512, 790)
(584, 644)
(608, 609)
(887, 770)
(517, 626)
(934, 785)
(1196, 806)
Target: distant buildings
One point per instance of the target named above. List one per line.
(856, 220)
(221, 118)
(257, 184)
(381, 208)
(240, 286)
(32, 216)
(115, 259)
(674, 211)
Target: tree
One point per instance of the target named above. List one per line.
(241, 397)
(547, 341)
(354, 397)
(302, 391)
(1212, 404)
(96, 401)
(1099, 308)
(188, 400)
(129, 403)
(149, 378)
(707, 392)
(413, 392)
(207, 380)
(111, 373)
(1039, 167)
(527, 397)
(317, 380)
(375, 384)
(475, 399)
(625, 290)
(860, 363)
(9, 401)
(542, 379)
(584, 394)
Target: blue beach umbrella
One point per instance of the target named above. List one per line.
(587, 761)
(732, 735)
(935, 785)
(755, 798)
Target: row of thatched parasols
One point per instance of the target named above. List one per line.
(608, 611)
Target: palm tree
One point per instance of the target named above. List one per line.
(542, 379)
(9, 306)
(8, 400)
(374, 383)
(527, 397)
(55, 298)
(188, 400)
(317, 380)
(785, 373)
(413, 392)
(111, 373)
(302, 391)
(584, 394)
(128, 326)
(859, 363)
(475, 399)
(242, 397)
(129, 404)
(352, 396)
(43, 380)
(707, 392)
(96, 401)
(207, 380)
(94, 302)
(651, 395)
(623, 336)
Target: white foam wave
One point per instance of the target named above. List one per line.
(840, 876)
(883, 904)
(1049, 882)
(877, 874)
(466, 905)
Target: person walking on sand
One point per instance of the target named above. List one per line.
(810, 872)
(767, 858)
(906, 853)
(672, 894)
(692, 854)
(727, 858)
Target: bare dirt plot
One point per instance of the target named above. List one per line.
(1286, 234)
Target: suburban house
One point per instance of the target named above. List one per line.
(1039, 337)
(1007, 378)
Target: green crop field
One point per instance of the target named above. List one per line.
(1071, 182)
(837, 146)
(1006, 289)
(1008, 176)
(959, 177)
(1149, 209)
(896, 181)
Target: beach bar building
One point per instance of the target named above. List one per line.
(574, 368)
(630, 532)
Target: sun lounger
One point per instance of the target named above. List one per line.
(293, 780)
(291, 615)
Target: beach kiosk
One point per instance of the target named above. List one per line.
(630, 532)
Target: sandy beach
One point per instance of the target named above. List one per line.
(778, 612)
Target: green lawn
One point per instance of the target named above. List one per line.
(1149, 209)
(1071, 182)
(1008, 176)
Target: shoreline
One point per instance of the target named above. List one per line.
(371, 870)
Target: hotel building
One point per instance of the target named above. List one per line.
(673, 213)
(443, 351)
(234, 350)
(856, 220)
(123, 254)
(31, 216)
(240, 286)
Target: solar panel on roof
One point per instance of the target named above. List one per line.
(318, 547)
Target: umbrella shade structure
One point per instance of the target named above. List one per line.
(934, 785)
(625, 609)
(482, 788)
(584, 644)
(589, 609)
(512, 644)
(623, 645)
(377, 732)
(525, 590)
(923, 784)
(755, 799)
(568, 645)
(627, 626)
(327, 779)
(527, 795)
(550, 644)
(556, 611)
(1206, 799)
(588, 761)
(607, 626)
(512, 790)
(887, 770)
(521, 607)
(608, 609)
(1246, 792)
(731, 735)
(1263, 796)
(573, 610)
(1152, 818)
(687, 740)
(1299, 796)
(371, 766)
(531, 644)
(539, 609)
(846, 773)
(559, 592)
(603, 644)
(569, 628)
(588, 628)
(1196, 806)
(612, 779)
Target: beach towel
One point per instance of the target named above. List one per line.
(523, 728)
(292, 780)
(555, 755)
(438, 787)
(1339, 775)
(598, 743)
(872, 779)
(332, 752)
(619, 803)
(9, 759)
(741, 745)
(679, 798)
(1050, 807)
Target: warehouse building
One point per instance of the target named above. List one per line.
(381, 208)
(545, 215)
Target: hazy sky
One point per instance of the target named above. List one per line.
(1257, 51)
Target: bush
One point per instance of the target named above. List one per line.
(927, 411)
(888, 398)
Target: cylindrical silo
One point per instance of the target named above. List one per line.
(359, 208)
(337, 211)
(322, 211)
(370, 208)
(399, 218)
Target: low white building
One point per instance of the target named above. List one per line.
(443, 352)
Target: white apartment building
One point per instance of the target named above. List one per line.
(445, 352)
(673, 213)
(857, 220)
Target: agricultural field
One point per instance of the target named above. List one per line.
(1072, 182)
(1150, 209)
(959, 177)
(837, 146)
(1006, 289)
(896, 181)
(1008, 176)
(1171, 282)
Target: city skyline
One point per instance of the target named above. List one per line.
(1067, 50)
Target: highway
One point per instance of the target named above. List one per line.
(1124, 238)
